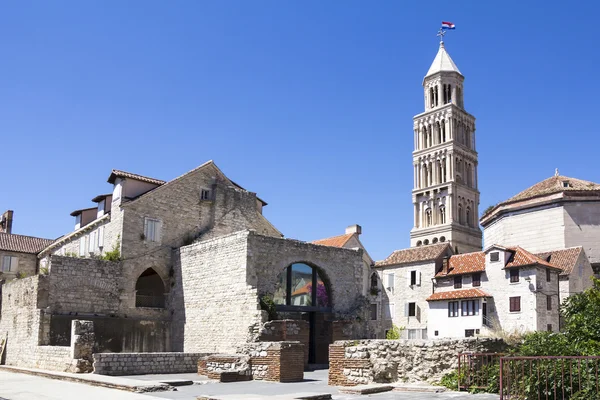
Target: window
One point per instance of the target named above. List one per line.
(453, 309)
(373, 312)
(101, 237)
(414, 278)
(476, 279)
(495, 256)
(436, 333)
(426, 242)
(549, 327)
(9, 263)
(424, 333)
(548, 275)
(412, 310)
(457, 282)
(514, 275)
(92, 242)
(152, 228)
(301, 285)
(374, 282)
(442, 215)
(205, 194)
(390, 281)
(470, 307)
(419, 243)
(389, 311)
(469, 332)
(82, 246)
(515, 303)
(548, 302)
(442, 239)
(412, 333)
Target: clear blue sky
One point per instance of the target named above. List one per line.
(307, 103)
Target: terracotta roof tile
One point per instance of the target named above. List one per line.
(522, 258)
(466, 263)
(565, 259)
(122, 174)
(336, 241)
(458, 294)
(415, 254)
(23, 244)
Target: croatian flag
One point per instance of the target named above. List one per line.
(448, 25)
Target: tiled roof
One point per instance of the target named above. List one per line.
(122, 174)
(564, 259)
(23, 244)
(553, 185)
(522, 258)
(466, 263)
(77, 212)
(101, 197)
(414, 254)
(458, 294)
(336, 241)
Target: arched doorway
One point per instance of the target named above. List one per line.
(150, 290)
(303, 292)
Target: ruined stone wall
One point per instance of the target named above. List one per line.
(26, 265)
(366, 361)
(287, 330)
(145, 363)
(84, 285)
(215, 307)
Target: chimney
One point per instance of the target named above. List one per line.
(354, 229)
(6, 221)
(445, 263)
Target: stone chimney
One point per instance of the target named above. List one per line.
(354, 229)
(6, 221)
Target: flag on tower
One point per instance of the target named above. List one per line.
(448, 25)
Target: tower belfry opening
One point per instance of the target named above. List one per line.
(445, 194)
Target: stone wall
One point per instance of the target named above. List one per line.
(145, 363)
(366, 361)
(287, 330)
(26, 265)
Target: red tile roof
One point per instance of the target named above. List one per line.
(466, 263)
(23, 244)
(336, 241)
(565, 259)
(415, 254)
(458, 294)
(122, 174)
(522, 258)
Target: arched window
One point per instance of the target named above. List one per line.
(461, 215)
(431, 98)
(439, 132)
(442, 239)
(419, 243)
(150, 290)
(434, 241)
(374, 281)
(443, 127)
(442, 215)
(426, 242)
(428, 217)
(469, 216)
(302, 285)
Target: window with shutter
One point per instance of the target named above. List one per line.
(412, 309)
(152, 229)
(390, 281)
(9, 264)
(82, 246)
(515, 303)
(101, 236)
(413, 278)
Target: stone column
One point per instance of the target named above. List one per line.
(449, 210)
(82, 345)
(416, 207)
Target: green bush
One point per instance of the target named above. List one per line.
(394, 333)
(267, 304)
(115, 253)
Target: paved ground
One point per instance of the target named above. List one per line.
(14, 386)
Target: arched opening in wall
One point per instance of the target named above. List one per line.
(461, 215)
(303, 292)
(442, 215)
(434, 240)
(150, 290)
(426, 242)
(442, 239)
(469, 216)
(419, 243)
(374, 283)
(428, 221)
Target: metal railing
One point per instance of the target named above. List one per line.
(549, 378)
(478, 370)
(149, 301)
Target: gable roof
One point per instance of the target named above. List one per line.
(77, 212)
(123, 174)
(335, 241)
(458, 294)
(415, 254)
(442, 62)
(523, 258)
(101, 197)
(466, 263)
(565, 259)
(23, 244)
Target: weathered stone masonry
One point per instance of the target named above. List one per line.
(145, 363)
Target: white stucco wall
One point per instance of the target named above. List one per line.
(452, 327)
(582, 228)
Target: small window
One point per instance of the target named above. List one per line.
(426, 242)
(9, 263)
(495, 256)
(374, 283)
(549, 327)
(476, 279)
(412, 333)
(424, 333)
(205, 194)
(152, 230)
(566, 184)
(469, 332)
(82, 246)
(442, 239)
(452, 309)
(477, 331)
(436, 333)
(412, 309)
(470, 307)
(548, 302)
(373, 312)
(548, 275)
(413, 278)
(515, 303)
(419, 243)
(388, 311)
(457, 282)
(514, 275)
(390, 281)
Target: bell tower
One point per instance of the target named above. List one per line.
(445, 194)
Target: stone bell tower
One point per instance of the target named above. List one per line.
(445, 194)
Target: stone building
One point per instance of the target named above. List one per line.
(445, 195)
(182, 266)
(556, 213)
